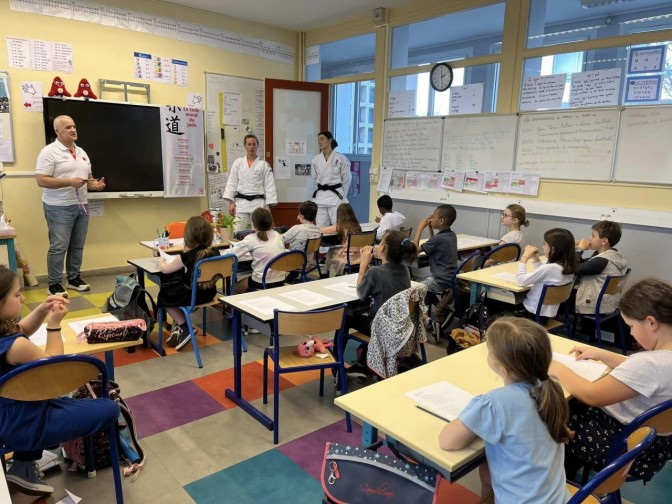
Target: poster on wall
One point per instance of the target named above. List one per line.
(355, 185)
(183, 156)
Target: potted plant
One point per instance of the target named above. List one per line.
(226, 223)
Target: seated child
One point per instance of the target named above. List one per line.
(297, 236)
(346, 223)
(634, 385)
(593, 271)
(263, 245)
(558, 270)
(29, 427)
(177, 276)
(389, 220)
(441, 248)
(513, 217)
(523, 423)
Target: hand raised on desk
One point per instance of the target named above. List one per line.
(56, 314)
(530, 252)
(365, 255)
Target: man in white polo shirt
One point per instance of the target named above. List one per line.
(64, 171)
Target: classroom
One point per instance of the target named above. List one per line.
(517, 66)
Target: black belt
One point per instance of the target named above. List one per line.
(250, 197)
(332, 188)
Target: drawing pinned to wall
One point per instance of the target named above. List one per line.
(6, 139)
(474, 181)
(398, 179)
(302, 170)
(355, 185)
(233, 109)
(453, 180)
(182, 141)
(295, 147)
(524, 183)
(195, 100)
(216, 185)
(496, 181)
(31, 96)
(281, 168)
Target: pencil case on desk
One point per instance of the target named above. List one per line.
(113, 332)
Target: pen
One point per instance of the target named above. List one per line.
(431, 413)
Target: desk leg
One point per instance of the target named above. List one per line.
(109, 363)
(140, 273)
(369, 434)
(473, 296)
(236, 395)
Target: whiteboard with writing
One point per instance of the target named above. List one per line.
(479, 143)
(412, 144)
(645, 146)
(568, 144)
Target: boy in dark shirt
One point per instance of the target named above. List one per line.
(441, 248)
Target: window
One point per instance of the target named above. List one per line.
(553, 22)
(350, 56)
(353, 116)
(428, 102)
(458, 35)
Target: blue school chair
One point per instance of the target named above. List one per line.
(312, 251)
(610, 479)
(53, 377)
(507, 252)
(205, 270)
(287, 360)
(358, 240)
(612, 285)
(555, 295)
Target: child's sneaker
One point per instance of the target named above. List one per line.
(174, 337)
(183, 339)
(24, 476)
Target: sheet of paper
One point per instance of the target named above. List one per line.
(79, 325)
(589, 369)
(96, 208)
(467, 99)
(266, 305)
(344, 288)
(442, 398)
(306, 297)
(233, 108)
(507, 277)
(71, 498)
(32, 96)
(384, 179)
(39, 337)
(281, 168)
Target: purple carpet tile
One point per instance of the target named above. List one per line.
(170, 407)
(308, 451)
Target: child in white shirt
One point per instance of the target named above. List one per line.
(513, 217)
(389, 220)
(263, 245)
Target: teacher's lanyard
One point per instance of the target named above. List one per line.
(73, 153)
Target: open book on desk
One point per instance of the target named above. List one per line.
(589, 369)
(441, 399)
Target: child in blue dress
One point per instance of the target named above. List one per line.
(523, 424)
(29, 427)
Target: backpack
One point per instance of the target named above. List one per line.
(130, 451)
(129, 301)
(470, 330)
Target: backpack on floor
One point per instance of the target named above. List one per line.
(470, 330)
(129, 301)
(355, 475)
(130, 451)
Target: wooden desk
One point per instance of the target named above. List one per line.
(177, 245)
(334, 298)
(7, 250)
(72, 346)
(384, 406)
(499, 289)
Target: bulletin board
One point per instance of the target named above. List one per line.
(6, 134)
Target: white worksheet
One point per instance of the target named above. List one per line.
(266, 305)
(442, 398)
(39, 337)
(306, 297)
(343, 287)
(589, 369)
(507, 277)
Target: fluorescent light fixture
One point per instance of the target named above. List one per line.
(589, 4)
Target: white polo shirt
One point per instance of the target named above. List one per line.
(56, 160)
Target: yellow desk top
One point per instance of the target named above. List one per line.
(486, 276)
(385, 406)
(72, 346)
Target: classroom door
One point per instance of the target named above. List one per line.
(295, 112)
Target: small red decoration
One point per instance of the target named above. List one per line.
(84, 91)
(58, 88)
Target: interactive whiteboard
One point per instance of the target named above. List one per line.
(568, 144)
